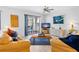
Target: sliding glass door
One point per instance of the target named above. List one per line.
(32, 25)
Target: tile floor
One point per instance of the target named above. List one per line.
(40, 48)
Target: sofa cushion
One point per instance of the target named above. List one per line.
(5, 39)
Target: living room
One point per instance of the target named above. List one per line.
(40, 28)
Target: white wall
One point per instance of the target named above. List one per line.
(70, 15)
(5, 18)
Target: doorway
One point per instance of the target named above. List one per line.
(32, 25)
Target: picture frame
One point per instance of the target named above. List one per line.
(58, 19)
(14, 21)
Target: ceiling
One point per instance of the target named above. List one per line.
(39, 9)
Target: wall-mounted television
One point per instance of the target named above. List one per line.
(45, 25)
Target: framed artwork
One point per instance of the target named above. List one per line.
(58, 19)
(14, 21)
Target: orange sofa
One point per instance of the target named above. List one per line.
(7, 45)
(59, 46)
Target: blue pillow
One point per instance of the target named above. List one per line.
(14, 35)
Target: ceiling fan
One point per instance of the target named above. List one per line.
(47, 9)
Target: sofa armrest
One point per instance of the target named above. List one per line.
(26, 43)
(59, 46)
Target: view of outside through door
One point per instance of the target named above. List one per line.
(33, 25)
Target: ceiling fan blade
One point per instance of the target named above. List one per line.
(47, 9)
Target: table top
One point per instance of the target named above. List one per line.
(36, 36)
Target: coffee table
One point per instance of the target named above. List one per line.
(40, 40)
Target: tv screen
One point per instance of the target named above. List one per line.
(45, 25)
